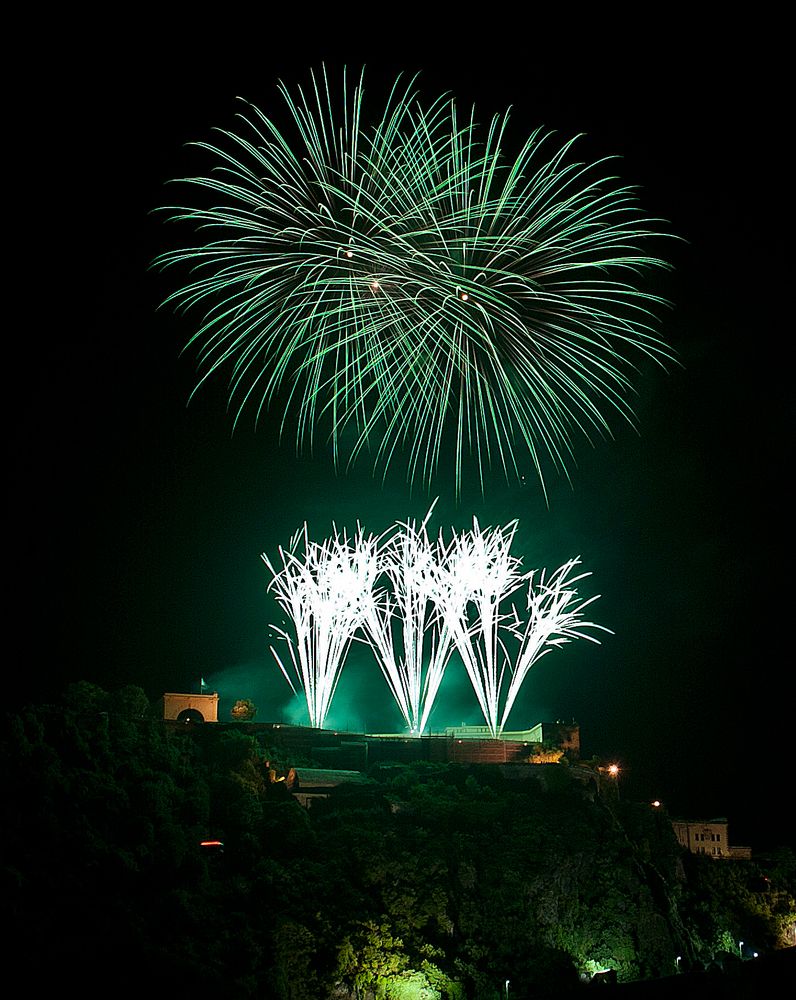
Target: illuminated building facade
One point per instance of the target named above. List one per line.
(190, 707)
(552, 735)
(708, 837)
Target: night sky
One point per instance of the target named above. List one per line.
(137, 522)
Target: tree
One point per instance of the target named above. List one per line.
(130, 701)
(244, 710)
(86, 698)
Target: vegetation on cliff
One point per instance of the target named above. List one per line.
(428, 880)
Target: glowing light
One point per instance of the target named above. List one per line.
(613, 770)
(482, 575)
(656, 804)
(432, 198)
(322, 588)
(412, 667)
(414, 601)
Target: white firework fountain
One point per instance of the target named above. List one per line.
(414, 602)
(322, 588)
(409, 637)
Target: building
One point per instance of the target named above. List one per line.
(190, 707)
(546, 743)
(708, 837)
(309, 784)
(547, 735)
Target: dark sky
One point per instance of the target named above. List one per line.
(137, 521)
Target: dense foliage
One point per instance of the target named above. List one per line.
(427, 880)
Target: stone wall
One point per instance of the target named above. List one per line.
(205, 704)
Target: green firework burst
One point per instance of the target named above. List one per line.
(405, 283)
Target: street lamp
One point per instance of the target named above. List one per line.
(614, 771)
(740, 948)
(677, 962)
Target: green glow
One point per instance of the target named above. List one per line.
(405, 280)
(395, 589)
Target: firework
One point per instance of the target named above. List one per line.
(481, 574)
(554, 617)
(414, 601)
(482, 577)
(413, 656)
(403, 281)
(322, 588)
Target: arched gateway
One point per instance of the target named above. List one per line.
(191, 707)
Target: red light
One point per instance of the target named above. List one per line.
(211, 843)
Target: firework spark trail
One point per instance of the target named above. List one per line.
(322, 589)
(408, 280)
(554, 618)
(454, 592)
(480, 575)
(414, 672)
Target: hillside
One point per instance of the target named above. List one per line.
(423, 880)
